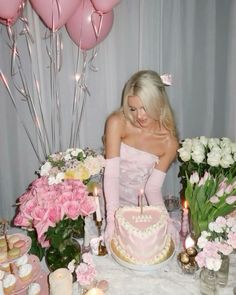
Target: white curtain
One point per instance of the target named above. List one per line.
(194, 40)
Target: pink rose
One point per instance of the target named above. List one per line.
(55, 214)
(20, 220)
(72, 209)
(87, 206)
(85, 273)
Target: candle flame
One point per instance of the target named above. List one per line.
(95, 191)
(141, 191)
(189, 242)
(185, 204)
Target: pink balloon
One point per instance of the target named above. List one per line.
(9, 8)
(12, 20)
(54, 13)
(104, 5)
(87, 27)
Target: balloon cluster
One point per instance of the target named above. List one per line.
(87, 22)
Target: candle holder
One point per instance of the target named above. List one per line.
(102, 250)
(186, 260)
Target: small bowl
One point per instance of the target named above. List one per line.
(172, 203)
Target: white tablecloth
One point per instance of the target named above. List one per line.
(166, 280)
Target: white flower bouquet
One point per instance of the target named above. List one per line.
(85, 165)
(208, 176)
(201, 154)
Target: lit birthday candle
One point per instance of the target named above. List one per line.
(185, 222)
(98, 211)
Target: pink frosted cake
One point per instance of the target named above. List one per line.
(142, 238)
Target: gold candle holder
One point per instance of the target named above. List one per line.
(186, 260)
(102, 250)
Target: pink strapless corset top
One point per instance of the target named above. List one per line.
(135, 168)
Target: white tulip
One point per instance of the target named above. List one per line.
(194, 178)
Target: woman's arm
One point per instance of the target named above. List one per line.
(112, 172)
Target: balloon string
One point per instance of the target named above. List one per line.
(21, 121)
(97, 30)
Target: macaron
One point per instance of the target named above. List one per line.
(13, 253)
(13, 239)
(3, 256)
(19, 244)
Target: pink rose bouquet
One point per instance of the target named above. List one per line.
(220, 239)
(55, 214)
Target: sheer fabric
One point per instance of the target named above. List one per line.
(191, 39)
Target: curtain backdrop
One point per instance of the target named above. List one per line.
(193, 40)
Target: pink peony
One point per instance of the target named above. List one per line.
(232, 239)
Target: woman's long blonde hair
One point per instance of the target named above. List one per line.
(148, 86)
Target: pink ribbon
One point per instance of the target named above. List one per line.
(166, 79)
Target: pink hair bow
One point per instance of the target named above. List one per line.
(166, 79)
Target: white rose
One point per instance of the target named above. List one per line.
(235, 157)
(67, 157)
(185, 154)
(204, 140)
(187, 143)
(226, 160)
(198, 156)
(233, 147)
(213, 159)
(44, 171)
(226, 150)
(60, 176)
(75, 152)
(213, 142)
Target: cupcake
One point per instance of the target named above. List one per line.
(9, 283)
(22, 260)
(25, 272)
(34, 289)
(12, 239)
(13, 253)
(3, 257)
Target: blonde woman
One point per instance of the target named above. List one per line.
(140, 145)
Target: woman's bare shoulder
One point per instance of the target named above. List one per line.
(116, 121)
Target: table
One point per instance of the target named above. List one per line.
(167, 280)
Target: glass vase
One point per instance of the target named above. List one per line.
(208, 282)
(60, 257)
(223, 272)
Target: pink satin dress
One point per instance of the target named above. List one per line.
(135, 168)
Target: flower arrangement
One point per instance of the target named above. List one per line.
(201, 154)
(209, 197)
(85, 165)
(55, 214)
(85, 272)
(218, 240)
(208, 171)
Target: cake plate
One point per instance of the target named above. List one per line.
(141, 267)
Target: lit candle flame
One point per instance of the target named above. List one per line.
(185, 204)
(95, 191)
(189, 242)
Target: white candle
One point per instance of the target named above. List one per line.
(60, 282)
(141, 196)
(1, 288)
(185, 222)
(95, 291)
(98, 211)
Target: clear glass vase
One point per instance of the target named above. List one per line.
(208, 282)
(223, 272)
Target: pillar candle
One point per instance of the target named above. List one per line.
(60, 282)
(98, 211)
(185, 221)
(95, 291)
(1, 288)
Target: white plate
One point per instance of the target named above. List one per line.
(141, 267)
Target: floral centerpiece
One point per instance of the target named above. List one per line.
(54, 206)
(218, 240)
(208, 171)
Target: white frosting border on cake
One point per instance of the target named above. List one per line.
(155, 260)
(141, 233)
